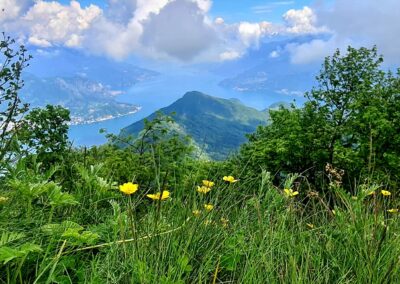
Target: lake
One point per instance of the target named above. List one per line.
(163, 91)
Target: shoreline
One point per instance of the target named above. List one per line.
(102, 119)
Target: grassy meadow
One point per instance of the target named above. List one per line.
(200, 232)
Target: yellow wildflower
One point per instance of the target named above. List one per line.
(386, 193)
(229, 179)
(196, 213)
(333, 212)
(311, 226)
(394, 210)
(129, 188)
(372, 192)
(208, 183)
(208, 207)
(203, 189)
(3, 199)
(290, 193)
(159, 196)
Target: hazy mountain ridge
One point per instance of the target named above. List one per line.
(218, 126)
(85, 84)
(272, 77)
(88, 101)
(270, 70)
(68, 63)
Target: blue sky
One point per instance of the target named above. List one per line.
(238, 10)
(255, 10)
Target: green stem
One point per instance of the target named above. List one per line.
(51, 214)
(133, 225)
(18, 272)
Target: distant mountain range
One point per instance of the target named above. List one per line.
(88, 101)
(113, 74)
(217, 126)
(278, 77)
(268, 70)
(86, 85)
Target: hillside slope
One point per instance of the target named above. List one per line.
(218, 126)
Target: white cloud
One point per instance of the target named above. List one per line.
(113, 39)
(296, 22)
(204, 5)
(121, 11)
(39, 42)
(251, 33)
(229, 55)
(153, 27)
(274, 54)
(310, 51)
(171, 29)
(219, 21)
(366, 22)
(288, 92)
(146, 7)
(356, 23)
(180, 30)
(12, 9)
(302, 21)
(50, 23)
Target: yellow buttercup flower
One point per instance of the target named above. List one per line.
(129, 188)
(196, 213)
(386, 193)
(208, 207)
(290, 193)
(394, 210)
(208, 183)
(203, 189)
(229, 179)
(159, 196)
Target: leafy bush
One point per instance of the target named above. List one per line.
(350, 121)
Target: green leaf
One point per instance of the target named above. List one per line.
(8, 254)
(8, 237)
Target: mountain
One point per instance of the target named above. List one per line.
(278, 77)
(87, 100)
(60, 62)
(218, 126)
(270, 70)
(278, 105)
(85, 84)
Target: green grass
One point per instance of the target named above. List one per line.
(104, 236)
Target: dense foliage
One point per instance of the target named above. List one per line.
(144, 209)
(351, 121)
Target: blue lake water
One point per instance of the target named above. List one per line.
(161, 92)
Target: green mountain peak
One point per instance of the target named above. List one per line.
(216, 125)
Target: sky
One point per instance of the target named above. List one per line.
(236, 10)
(193, 31)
